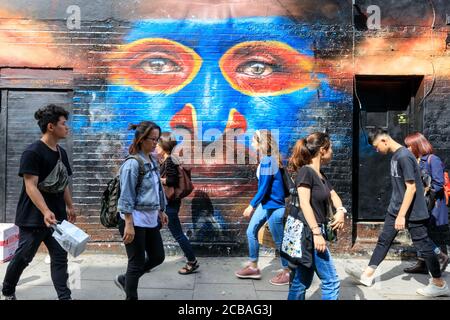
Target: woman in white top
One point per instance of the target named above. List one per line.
(141, 203)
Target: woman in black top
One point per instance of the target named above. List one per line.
(170, 178)
(315, 192)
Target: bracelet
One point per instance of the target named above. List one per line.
(343, 209)
(316, 227)
(317, 234)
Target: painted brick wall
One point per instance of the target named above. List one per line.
(34, 34)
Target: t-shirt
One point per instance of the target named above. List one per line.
(404, 168)
(39, 160)
(320, 191)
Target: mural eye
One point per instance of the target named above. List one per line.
(154, 65)
(256, 69)
(160, 65)
(267, 68)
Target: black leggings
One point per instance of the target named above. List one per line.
(146, 240)
(420, 239)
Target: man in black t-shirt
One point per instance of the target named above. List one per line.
(37, 210)
(407, 209)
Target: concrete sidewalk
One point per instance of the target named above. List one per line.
(91, 278)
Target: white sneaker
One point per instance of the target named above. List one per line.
(432, 290)
(359, 276)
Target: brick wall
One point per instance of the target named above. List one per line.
(108, 92)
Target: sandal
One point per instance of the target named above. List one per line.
(189, 268)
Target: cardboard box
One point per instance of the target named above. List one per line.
(9, 241)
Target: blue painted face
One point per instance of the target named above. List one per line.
(248, 73)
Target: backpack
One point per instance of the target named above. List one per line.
(184, 188)
(426, 182)
(110, 197)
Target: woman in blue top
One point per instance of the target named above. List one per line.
(438, 228)
(267, 205)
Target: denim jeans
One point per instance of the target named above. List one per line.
(30, 239)
(275, 221)
(419, 236)
(172, 210)
(324, 267)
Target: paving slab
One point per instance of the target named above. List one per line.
(91, 278)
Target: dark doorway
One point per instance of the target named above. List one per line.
(18, 128)
(390, 102)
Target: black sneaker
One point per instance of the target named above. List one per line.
(119, 280)
(11, 297)
(420, 267)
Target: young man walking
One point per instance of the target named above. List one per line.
(44, 200)
(407, 209)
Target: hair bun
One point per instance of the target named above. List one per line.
(38, 114)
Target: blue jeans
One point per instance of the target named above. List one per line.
(275, 220)
(172, 210)
(324, 267)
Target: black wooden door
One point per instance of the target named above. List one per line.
(18, 130)
(390, 103)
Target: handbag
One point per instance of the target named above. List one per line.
(288, 184)
(57, 180)
(265, 236)
(184, 188)
(297, 246)
(71, 238)
(330, 234)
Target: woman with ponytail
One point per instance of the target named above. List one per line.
(267, 205)
(141, 203)
(315, 192)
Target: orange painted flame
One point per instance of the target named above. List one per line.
(29, 43)
(400, 56)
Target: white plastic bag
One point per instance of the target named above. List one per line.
(70, 237)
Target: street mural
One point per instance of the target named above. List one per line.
(208, 77)
(211, 76)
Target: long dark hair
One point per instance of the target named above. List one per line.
(142, 130)
(307, 148)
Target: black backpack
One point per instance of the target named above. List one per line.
(110, 197)
(425, 176)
